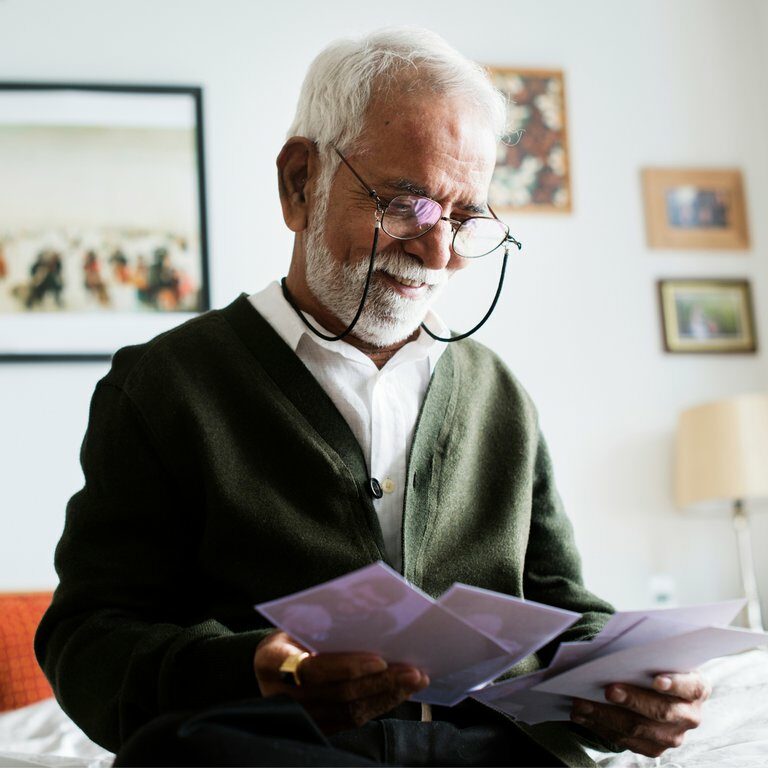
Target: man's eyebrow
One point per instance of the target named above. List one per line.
(479, 208)
(406, 185)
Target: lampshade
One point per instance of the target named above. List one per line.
(722, 451)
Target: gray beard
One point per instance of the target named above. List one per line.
(387, 317)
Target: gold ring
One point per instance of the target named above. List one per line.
(290, 667)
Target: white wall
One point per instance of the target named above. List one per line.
(648, 83)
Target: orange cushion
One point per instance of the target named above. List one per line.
(21, 679)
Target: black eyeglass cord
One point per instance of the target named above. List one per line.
(461, 336)
(359, 312)
(366, 289)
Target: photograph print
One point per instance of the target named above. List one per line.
(707, 315)
(695, 208)
(102, 217)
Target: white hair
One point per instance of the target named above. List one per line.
(345, 76)
(334, 101)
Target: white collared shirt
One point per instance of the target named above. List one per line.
(380, 406)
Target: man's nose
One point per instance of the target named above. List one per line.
(434, 247)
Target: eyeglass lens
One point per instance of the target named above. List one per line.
(479, 236)
(410, 216)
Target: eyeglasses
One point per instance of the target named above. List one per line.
(407, 217)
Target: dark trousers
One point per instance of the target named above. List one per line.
(278, 732)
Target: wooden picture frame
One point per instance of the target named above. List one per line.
(532, 171)
(707, 315)
(695, 209)
(103, 237)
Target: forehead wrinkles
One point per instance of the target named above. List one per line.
(439, 185)
(440, 145)
(441, 176)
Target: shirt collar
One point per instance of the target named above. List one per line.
(274, 307)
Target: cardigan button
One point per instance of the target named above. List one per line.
(374, 487)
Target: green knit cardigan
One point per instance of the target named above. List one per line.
(219, 474)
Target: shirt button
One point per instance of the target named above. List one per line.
(374, 487)
(388, 485)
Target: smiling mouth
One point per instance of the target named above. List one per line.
(409, 283)
(404, 281)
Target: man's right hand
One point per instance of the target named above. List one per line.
(339, 690)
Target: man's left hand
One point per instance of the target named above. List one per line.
(647, 721)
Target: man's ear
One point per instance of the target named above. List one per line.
(297, 169)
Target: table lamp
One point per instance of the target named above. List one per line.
(722, 458)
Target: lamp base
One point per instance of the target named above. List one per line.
(748, 580)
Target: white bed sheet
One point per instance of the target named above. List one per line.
(733, 733)
(42, 735)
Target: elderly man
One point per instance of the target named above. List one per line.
(313, 428)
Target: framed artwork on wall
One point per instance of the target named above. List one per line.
(102, 217)
(532, 169)
(695, 208)
(707, 315)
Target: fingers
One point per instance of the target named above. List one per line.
(341, 716)
(339, 690)
(321, 669)
(626, 723)
(401, 680)
(647, 721)
(342, 705)
(659, 707)
(335, 667)
(271, 652)
(690, 686)
(627, 729)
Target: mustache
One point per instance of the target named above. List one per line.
(398, 264)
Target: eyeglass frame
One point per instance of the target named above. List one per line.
(455, 224)
(380, 211)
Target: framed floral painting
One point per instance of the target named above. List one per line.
(532, 169)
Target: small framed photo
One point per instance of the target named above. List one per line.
(707, 316)
(532, 168)
(695, 208)
(102, 217)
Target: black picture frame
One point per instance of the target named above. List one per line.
(41, 112)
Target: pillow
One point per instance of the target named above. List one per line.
(21, 680)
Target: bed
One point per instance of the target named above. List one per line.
(34, 731)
